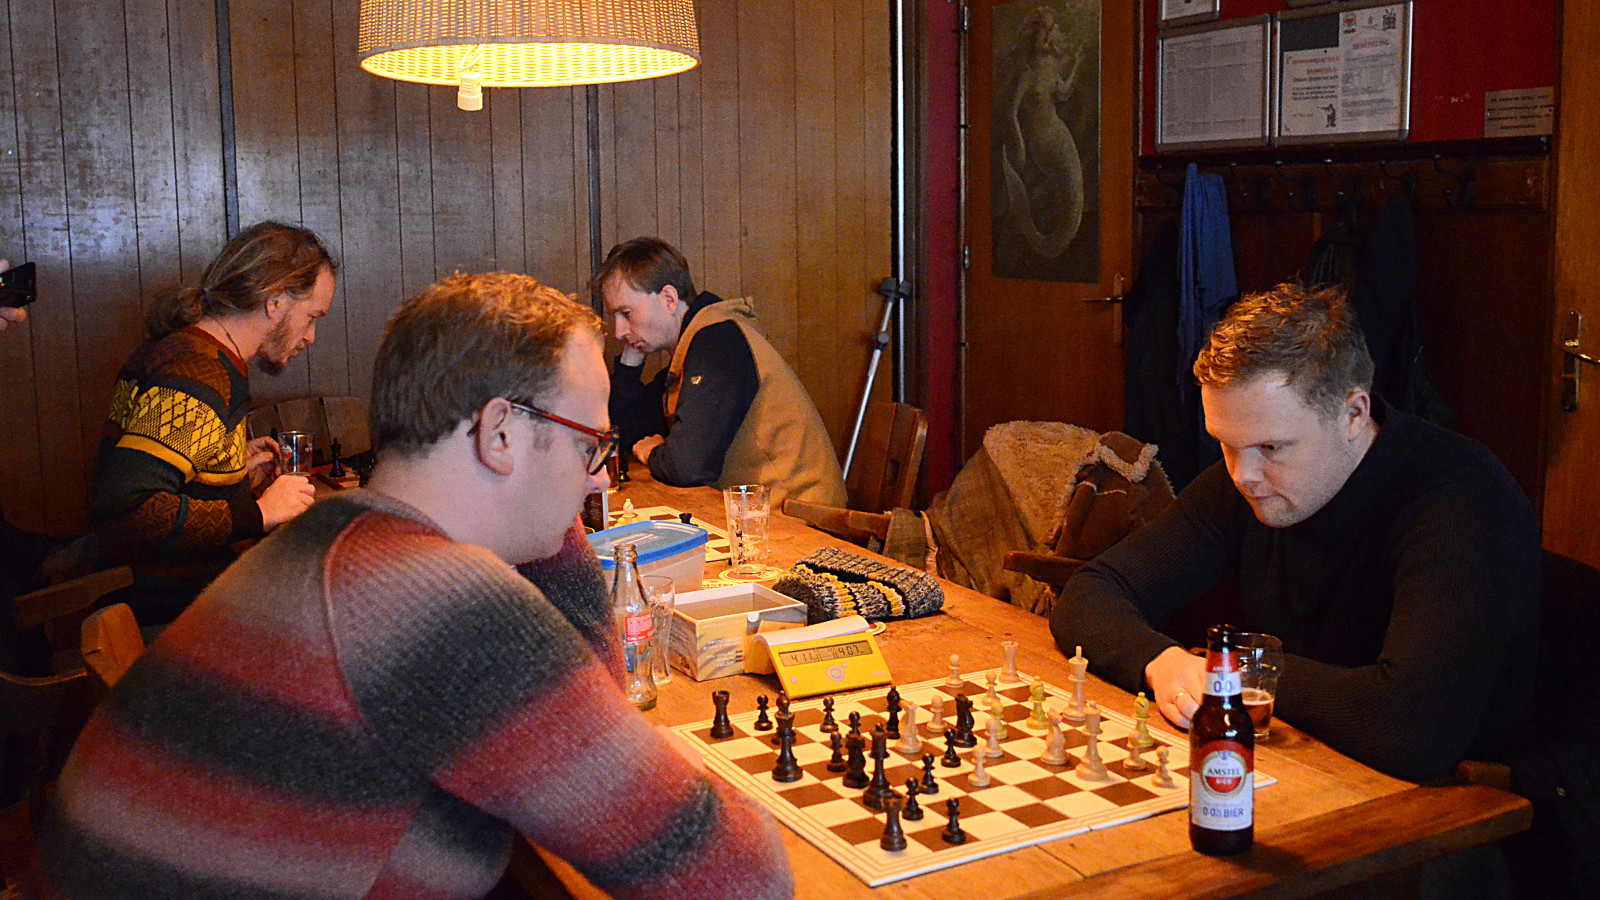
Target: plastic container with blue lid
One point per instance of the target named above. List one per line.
(665, 548)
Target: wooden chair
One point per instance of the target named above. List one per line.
(60, 610)
(47, 713)
(888, 458)
(111, 643)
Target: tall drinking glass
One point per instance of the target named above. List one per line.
(1260, 662)
(295, 450)
(661, 593)
(748, 507)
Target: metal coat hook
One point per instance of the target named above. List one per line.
(1457, 200)
(1305, 184)
(1408, 180)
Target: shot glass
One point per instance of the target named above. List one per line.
(295, 451)
(1260, 661)
(661, 593)
(748, 507)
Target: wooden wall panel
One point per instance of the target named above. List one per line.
(768, 165)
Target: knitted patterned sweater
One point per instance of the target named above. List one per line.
(171, 493)
(361, 707)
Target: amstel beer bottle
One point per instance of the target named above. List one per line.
(1221, 756)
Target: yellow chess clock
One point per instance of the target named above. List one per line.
(826, 658)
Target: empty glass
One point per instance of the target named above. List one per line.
(661, 593)
(748, 507)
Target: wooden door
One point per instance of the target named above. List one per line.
(1038, 346)
(1571, 495)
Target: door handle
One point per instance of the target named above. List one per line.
(1115, 298)
(1571, 355)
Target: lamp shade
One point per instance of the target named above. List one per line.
(527, 43)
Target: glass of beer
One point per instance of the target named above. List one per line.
(295, 453)
(1260, 661)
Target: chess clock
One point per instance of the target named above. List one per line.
(825, 665)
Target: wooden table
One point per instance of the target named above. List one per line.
(1329, 821)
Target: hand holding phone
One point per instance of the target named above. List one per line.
(17, 286)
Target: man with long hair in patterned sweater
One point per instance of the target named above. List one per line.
(372, 701)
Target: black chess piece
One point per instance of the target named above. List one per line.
(720, 726)
(783, 701)
(913, 810)
(951, 759)
(686, 518)
(952, 829)
(964, 722)
(622, 468)
(336, 469)
(855, 773)
(930, 785)
(785, 720)
(786, 769)
(829, 726)
(894, 837)
(762, 722)
(878, 789)
(855, 723)
(836, 761)
(894, 713)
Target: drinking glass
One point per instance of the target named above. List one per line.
(748, 507)
(295, 450)
(1260, 661)
(661, 593)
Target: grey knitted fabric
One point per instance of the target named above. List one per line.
(834, 583)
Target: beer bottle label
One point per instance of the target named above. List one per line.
(639, 628)
(1222, 786)
(1224, 684)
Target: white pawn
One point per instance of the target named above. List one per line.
(993, 696)
(910, 744)
(936, 716)
(992, 743)
(955, 680)
(1163, 777)
(980, 771)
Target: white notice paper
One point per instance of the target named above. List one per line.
(1345, 73)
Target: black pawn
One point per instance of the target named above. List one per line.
(950, 760)
(762, 722)
(836, 762)
(894, 713)
(855, 723)
(829, 726)
(930, 785)
(855, 772)
(913, 810)
(894, 837)
(720, 726)
(786, 769)
(878, 789)
(952, 831)
(964, 722)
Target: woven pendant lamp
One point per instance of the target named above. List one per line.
(526, 43)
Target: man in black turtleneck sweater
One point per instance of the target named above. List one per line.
(1397, 561)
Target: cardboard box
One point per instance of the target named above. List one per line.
(712, 629)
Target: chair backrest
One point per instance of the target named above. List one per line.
(111, 643)
(60, 608)
(49, 712)
(324, 418)
(888, 458)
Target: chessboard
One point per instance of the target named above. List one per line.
(717, 548)
(1027, 801)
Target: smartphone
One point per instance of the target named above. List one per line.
(17, 286)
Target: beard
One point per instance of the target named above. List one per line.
(277, 348)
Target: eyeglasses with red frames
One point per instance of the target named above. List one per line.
(606, 441)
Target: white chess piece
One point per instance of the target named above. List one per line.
(993, 696)
(910, 744)
(980, 770)
(1092, 768)
(992, 741)
(955, 680)
(1163, 777)
(1055, 746)
(936, 716)
(1009, 673)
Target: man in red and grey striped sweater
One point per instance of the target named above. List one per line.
(371, 701)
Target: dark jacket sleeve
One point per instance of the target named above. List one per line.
(1107, 606)
(635, 404)
(719, 384)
